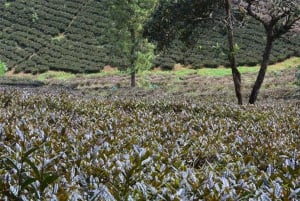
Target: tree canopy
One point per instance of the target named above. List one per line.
(129, 17)
(175, 19)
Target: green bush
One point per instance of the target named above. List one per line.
(165, 63)
(3, 68)
(145, 57)
(211, 44)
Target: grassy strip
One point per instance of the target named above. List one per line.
(213, 72)
(58, 75)
(290, 63)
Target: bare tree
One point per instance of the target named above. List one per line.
(278, 18)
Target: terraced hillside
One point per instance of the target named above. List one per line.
(72, 35)
(209, 44)
(39, 35)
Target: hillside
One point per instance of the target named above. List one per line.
(57, 35)
(209, 46)
(72, 35)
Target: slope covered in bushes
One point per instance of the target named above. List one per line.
(40, 35)
(209, 45)
(58, 35)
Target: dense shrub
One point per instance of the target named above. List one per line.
(165, 63)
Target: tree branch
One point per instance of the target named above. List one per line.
(286, 27)
(253, 14)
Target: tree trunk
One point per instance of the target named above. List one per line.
(132, 74)
(132, 58)
(236, 75)
(263, 68)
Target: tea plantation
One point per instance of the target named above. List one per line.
(73, 36)
(177, 136)
(59, 35)
(154, 145)
(210, 45)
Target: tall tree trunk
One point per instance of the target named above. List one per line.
(263, 67)
(236, 75)
(132, 58)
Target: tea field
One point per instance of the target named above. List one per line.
(175, 137)
(64, 145)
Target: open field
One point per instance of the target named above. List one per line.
(175, 137)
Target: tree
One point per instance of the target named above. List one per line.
(176, 19)
(236, 75)
(129, 17)
(278, 18)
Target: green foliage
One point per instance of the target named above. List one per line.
(58, 35)
(145, 57)
(3, 68)
(29, 174)
(6, 4)
(81, 37)
(162, 148)
(175, 19)
(129, 18)
(34, 16)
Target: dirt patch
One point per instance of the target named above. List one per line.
(109, 69)
(11, 73)
(178, 67)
